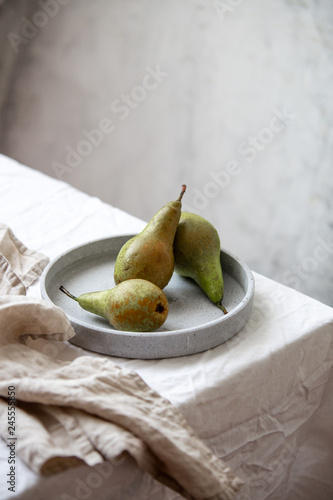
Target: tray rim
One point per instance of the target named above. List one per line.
(247, 297)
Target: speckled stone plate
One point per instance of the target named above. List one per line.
(193, 325)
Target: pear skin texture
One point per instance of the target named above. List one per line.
(197, 255)
(149, 254)
(134, 305)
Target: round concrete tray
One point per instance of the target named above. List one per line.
(193, 325)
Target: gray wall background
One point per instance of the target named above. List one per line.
(127, 100)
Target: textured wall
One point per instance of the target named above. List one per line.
(128, 99)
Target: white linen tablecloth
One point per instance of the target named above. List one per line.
(263, 401)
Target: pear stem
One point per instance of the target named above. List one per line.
(63, 289)
(182, 192)
(219, 304)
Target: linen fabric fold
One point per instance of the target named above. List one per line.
(20, 267)
(89, 410)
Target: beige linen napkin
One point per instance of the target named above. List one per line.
(19, 266)
(89, 410)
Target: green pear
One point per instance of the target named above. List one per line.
(197, 255)
(149, 254)
(133, 305)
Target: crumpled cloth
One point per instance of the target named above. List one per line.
(20, 267)
(89, 410)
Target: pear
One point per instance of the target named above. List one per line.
(149, 254)
(134, 305)
(197, 255)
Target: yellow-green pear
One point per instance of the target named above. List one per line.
(133, 305)
(197, 255)
(149, 254)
